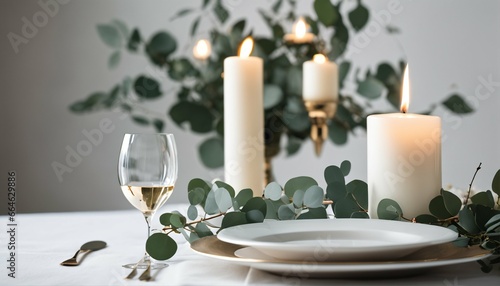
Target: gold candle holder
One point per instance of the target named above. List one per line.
(319, 114)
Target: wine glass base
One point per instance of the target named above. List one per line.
(142, 265)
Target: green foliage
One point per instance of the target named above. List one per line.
(199, 88)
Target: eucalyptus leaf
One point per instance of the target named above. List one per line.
(457, 104)
(255, 216)
(134, 41)
(226, 186)
(337, 133)
(426, 218)
(181, 68)
(359, 191)
(327, 13)
(461, 242)
(199, 117)
(371, 88)
(273, 191)
(495, 184)
(161, 246)
(336, 191)
(438, 209)
(339, 41)
(389, 209)
(293, 145)
(272, 95)
(194, 26)
(344, 68)
(243, 196)
(255, 203)
(286, 212)
(223, 199)
(211, 206)
(359, 17)
(271, 210)
(140, 120)
(110, 35)
(298, 198)
(192, 212)
(114, 59)
(483, 198)
(360, 214)
(198, 183)
(313, 197)
(298, 183)
(146, 87)
(467, 221)
(177, 220)
(334, 174)
(345, 167)
(160, 47)
(233, 219)
(220, 11)
(314, 213)
(345, 207)
(212, 152)
(452, 203)
(202, 230)
(165, 219)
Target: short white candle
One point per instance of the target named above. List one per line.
(319, 79)
(299, 34)
(244, 121)
(404, 159)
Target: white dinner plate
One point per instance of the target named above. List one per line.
(337, 239)
(428, 257)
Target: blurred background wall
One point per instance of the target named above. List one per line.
(452, 46)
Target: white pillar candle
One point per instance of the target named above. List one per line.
(244, 121)
(320, 79)
(404, 159)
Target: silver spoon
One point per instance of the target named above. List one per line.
(84, 249)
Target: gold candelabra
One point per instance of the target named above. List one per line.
(319, 113)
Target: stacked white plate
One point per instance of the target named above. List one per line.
(337, 247)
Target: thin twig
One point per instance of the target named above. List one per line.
(195, 222)
(472, 181)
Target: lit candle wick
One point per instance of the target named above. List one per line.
(405, 94)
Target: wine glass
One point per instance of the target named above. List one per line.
(147, 171)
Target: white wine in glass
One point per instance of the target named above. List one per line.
(147, 171)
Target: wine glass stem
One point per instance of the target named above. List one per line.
(147, 217)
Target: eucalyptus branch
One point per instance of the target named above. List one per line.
(195, 221)
(472, 181)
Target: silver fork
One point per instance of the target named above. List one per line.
(146, 275)
(134, 270)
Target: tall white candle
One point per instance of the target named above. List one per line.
(404, 159)
(319, 79)
(244, 121)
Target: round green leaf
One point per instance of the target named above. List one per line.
(233, 219)
(199, 117)
(327, 14)
(223, 199)
(226, 186)
(177, 220)
(202, 230)
(339, 41)
(271, 210)
(337, 133)
(165, 219)
(359, 190)
(140, 120)
(371, 88)
(160, 47)
(334, 174)
(146, 87)
(114, 59)
(273, 191)
(360, 214)
(211, 206)
(426, 218)
(344, 68)
(457, 104)
(483, 198)
(495, 184)
(345, 167)
(198, 183)
(181, 68)
(161, 246)
(359, 17)
(298, 198)
(110, 35)
(272, 95)
(255, 203)
(314, 213)
(243, 196)
(255, 216)
(389, 209)
(461, 241)
(196, 196)
(313, 197)
(286, 212)
(452, 203)
(336, 191)
(192, 212)
(467, 222)
(212, 152)
(438, 208)
(345, 207)
(298, 183)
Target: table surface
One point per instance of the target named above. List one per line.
(45, 239)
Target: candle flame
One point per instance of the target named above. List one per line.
(405, 95)
(246, 47)
(319, 58)
(300, 28)
(202, 49)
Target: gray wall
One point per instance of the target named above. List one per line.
(450, 45)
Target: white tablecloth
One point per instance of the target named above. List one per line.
(44, 240)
